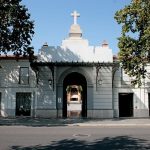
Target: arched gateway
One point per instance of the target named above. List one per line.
(74, 95)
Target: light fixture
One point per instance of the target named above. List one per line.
(100, 81)
(50, 81)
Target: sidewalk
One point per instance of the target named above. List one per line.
(74, 122)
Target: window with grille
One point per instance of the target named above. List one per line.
(24, 75)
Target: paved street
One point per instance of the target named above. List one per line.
(74, 137)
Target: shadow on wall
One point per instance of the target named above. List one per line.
(45, 90)
(115, 143)
(10, 74)
(9, 86)
(140, 100)
(57, 54)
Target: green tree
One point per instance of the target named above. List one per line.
(16, 29)
(134, 43)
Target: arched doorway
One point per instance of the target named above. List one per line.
(74, 96)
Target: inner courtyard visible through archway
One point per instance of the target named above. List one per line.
(74, 100)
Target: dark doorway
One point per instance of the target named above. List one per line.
(149, 102)
(23, 104)
(75, 79)
(125, 104)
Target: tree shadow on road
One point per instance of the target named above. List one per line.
(107, 143)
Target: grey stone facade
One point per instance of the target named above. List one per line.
(47, 98)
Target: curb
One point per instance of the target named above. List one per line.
(73, 125)
(110, 125)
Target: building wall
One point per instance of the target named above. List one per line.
(46, 94)
(9, 86)
(102, 93)
(122, 84)
(47, 99)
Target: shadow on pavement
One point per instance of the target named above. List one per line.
(115, 143)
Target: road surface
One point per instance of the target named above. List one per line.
(74, 138)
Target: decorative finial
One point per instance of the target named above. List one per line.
(105, 43)
(45, 44)
(75, 15)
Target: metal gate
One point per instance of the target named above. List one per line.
(23, 104)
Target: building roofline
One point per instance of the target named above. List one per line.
(104, 64)
(13, 57)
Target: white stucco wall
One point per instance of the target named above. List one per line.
(75, 50)
(9, 85)
(122, 84)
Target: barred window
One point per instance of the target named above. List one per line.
(24, 75)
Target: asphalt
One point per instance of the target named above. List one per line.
(50, 122)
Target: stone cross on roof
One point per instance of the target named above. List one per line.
(75, 15)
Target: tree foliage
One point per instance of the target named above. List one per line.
(16, 29)
(134, 43)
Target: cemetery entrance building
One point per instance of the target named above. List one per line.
(72, 80)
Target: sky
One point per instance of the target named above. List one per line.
(52, 21)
